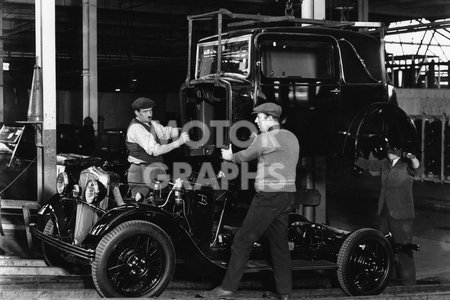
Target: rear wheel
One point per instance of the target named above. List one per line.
(365, 263)
(135, 259)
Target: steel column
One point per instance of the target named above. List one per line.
(1, 64)
(363, 10)
(308, 165)
(422, 143)
(442, 167)
(90, 90)
(320, 165)
(46, 59)
(313, 9)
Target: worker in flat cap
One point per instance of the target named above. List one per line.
(395, 212)
(146, 141)
(277, 151)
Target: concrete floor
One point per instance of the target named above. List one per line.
(432, 226)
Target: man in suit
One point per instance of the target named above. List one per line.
(396, 203)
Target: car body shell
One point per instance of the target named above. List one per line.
(319, 109)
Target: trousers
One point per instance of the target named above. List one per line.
(402, 232)
(135, 175)
(268, 212)
(141, 177)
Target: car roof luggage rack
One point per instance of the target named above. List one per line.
(248, 21)
(257, 20)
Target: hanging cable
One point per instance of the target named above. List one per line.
(17, 177)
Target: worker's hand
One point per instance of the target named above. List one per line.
(175, 132)
(184, 138)
(410, 156)
(227, 154)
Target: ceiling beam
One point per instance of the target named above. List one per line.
(419, 27)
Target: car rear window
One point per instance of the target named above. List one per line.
(297, 58)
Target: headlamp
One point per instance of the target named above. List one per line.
(62, 183)
(92, 191)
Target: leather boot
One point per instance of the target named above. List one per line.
(218, 293)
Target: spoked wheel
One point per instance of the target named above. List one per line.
(365, 263)
(135, 259)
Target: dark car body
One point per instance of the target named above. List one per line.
(323, 76)
(18, 166)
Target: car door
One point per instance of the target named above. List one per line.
(300, 72)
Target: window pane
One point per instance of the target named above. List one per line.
(235, 57)
(297, 58)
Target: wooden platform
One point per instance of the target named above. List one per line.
(25, 206)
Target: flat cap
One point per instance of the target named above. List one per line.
(142, 103)
(394, 149)
(268, 108)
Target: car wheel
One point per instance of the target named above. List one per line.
(135, 259)
(365, 263)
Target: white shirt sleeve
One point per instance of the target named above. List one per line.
(166, 132)
(163, 132)
(139, 135)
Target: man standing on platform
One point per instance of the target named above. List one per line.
(144, 144)
(396, 203)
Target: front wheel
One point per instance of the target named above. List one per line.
(365, 263)
(135, 259)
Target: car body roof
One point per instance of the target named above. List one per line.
(336, 33)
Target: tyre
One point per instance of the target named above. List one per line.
(365, 262)
(135, 259)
